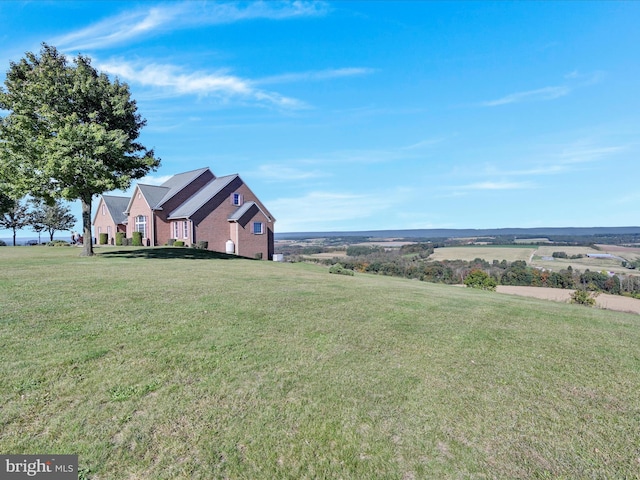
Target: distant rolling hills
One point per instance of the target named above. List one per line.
(468, 232)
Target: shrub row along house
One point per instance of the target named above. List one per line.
(192, 207)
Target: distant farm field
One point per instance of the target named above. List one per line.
(486, 252)
(543, 258)
(174, 363)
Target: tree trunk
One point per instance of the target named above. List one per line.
(14, 236)
(87, 242)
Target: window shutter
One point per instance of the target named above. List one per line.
(241, 199)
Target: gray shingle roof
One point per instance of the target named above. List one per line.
(178, 182)
(116, 206)
(153, 194)
(201, 197)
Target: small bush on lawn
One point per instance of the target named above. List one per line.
(58, 243)
(120, 239)
(584, 297)
(104, 238)
(202, 245)
(171, 242)
(480, 279)
(178, 243)
(2, 243)
(137, 239)
(340, 270)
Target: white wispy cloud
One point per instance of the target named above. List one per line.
(555, 160)
(585, 79)
(572, 81)
(119, 29)
(324, 210)
(171, 80)
(493, 185)
(546, 93)
(535, 171)
(430, 142)
(285, 173)
(583, 154)
(452, 191)
(316, 75)
(154, 179)
(149, 21)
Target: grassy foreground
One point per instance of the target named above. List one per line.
(151, 366)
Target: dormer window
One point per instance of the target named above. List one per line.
(236, 199)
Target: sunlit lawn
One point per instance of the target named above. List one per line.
(149, 365)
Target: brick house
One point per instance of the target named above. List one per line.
(192, 206)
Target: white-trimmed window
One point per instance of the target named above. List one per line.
(141, 225)
(176, 230)
(258, 228)
(236, 199)
(185, 229)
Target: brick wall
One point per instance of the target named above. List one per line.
(212, 224)
(139, 206)
(103, 221)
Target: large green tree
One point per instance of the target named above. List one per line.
(70, 132)
(51, 218)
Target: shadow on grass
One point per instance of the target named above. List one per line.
(172, 252)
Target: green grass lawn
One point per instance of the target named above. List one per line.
(153, 366)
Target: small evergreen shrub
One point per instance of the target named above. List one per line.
(584, 297)
(340, 270)
(171, 242)
(2, 243)
(104, 238)
(120, 238)
(137, 239)
(258, 256)
(202, 245)
(178, 243)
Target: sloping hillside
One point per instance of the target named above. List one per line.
(165, 366)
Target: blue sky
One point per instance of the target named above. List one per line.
(377, 115)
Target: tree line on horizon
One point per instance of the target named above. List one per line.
(36, 214)
(411, 261)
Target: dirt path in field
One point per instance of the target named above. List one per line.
(609, 302)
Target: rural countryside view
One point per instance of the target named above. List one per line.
(319, 239)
